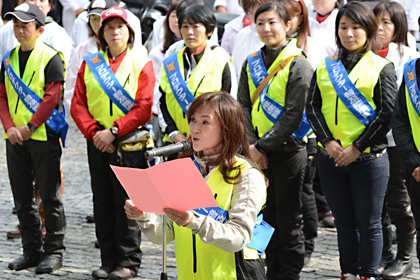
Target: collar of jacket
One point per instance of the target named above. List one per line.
(272, 54)
(350, 60)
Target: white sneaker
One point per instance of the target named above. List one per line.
(349, 276)
(365, 278)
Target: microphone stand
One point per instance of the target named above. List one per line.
(164, 273)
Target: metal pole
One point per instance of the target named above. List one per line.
(164, 275)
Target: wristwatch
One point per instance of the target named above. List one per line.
(114, 131)
(171, 135)
(31, 127)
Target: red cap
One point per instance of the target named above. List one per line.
(114, 12)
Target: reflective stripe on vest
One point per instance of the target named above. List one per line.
(276, 90)
(100, 106)
(343, 125)
(206, 77)
(209, 261)
(412, 96)
(108, 82)
(34, 76)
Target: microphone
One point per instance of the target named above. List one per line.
(168, 150)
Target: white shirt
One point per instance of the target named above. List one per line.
(69, 12)
(156, 56)
(159, 32)
(80, 34)
(315, 52)
(412, 9)
(232, 29)
(250, 42)
(232, 6)
(54, 36)
(324, 32)
(87, 47)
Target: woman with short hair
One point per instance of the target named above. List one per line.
(113, 97)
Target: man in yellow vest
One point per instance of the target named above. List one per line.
(31, 80)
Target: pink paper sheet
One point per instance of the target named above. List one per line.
(175, 184)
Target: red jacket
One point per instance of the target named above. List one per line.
(139, 115)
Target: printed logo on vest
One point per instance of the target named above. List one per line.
(334, 57)
(410, 76)
(95, 60)
(254, 54)
(7, 61)
(171, 66)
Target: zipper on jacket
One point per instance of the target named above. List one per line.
(336, 111)
(17, 103)
(194, 255)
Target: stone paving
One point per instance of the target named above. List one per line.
(82, 256)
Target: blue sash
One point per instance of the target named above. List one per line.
(261, 234)
(272, 110)
(178, 85)
(108, 82)
(31, 100)
(352, 98)
(410, 79)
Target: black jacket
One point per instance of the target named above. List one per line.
(374, 135)
(300, 73)
(401, 128)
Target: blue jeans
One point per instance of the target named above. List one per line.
(355, 194)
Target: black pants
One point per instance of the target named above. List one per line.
(285, 252)
(414, 191)
(118, 236)
(42, 157)
(310, 215)
(397, 201)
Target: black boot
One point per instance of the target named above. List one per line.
(387, 257)
(403, 264)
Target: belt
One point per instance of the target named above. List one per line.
(362, 157)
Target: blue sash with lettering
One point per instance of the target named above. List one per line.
(108, 82)
(178, 85)
(410, 79)
(261, 234)
(56, 121)
(272, 110)
(352, 98)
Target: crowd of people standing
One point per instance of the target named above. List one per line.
(297, 94)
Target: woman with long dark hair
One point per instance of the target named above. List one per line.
(392, 33)
(205, 248)
(349, 107)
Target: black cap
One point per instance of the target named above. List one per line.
(98, 6)
(27, 12)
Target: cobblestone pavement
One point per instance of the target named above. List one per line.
(82, 256)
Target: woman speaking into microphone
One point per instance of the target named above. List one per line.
(205, 248)
(113, 96)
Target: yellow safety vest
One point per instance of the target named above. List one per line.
(207, 77)
(210, 262)
(414, 120)
(33, 75)
(343, 125)
(276, 90)
(100, 107)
